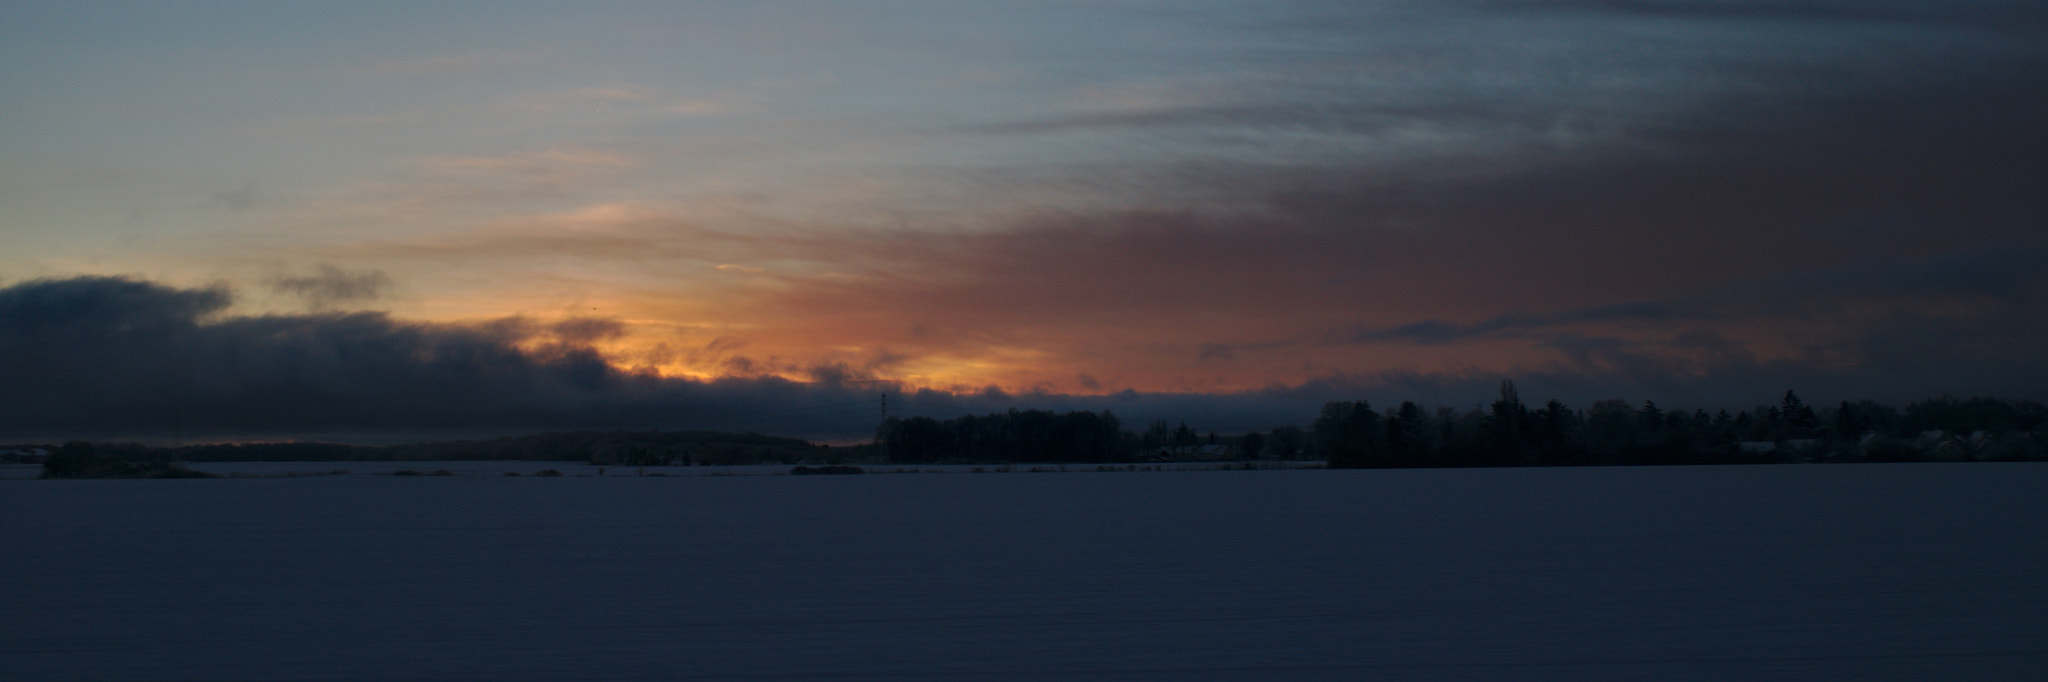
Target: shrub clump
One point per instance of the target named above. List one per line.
(829, 469)
(80, 459)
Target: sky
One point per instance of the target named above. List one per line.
(301, 220)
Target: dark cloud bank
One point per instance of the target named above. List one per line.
(105, 357)
(114, 356)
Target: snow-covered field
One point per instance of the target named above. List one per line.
(1705, 573)
(502, 468)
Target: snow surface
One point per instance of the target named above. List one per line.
(528, 467)
(1923, 571)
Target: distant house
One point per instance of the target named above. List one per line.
(25, 456)
(1943, 446)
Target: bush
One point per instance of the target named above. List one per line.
(829, 469)
(80, 459)
(1891, 450)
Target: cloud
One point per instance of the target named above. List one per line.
(118, 357)
(329, 285)
(585, 329)
(1439, 331)
(538, 171)
(1328, 117)
(627, 101)
(1800, 223)
(447, 64)
(101, 356)
(1784, 229)
(1761, 10)
(1806, 228)
(238, 199)
(1896, 327)
(91, 306)
(1703, 208)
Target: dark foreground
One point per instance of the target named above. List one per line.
(1922, 571)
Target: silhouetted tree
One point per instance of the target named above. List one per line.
(1285, 442)
(1745, 426)
(1799, 419)
(1611, 432)
(81, 459)
(917, 439)
(1975, 414)
(1347, 434)
(1466, 437)
(1408, 435)
(1650, 418)
(1509, 432)
(1252, 444)
(1555, 427)
(1158, 435)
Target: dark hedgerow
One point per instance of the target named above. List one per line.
(829, 469)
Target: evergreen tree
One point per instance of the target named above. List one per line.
(1252, 444)
(1798, 419)
(1347, 434)
(1556, 426)
(1407, 431)
(1286, 441)
(1510, 430)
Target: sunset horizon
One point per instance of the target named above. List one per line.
(354, 222)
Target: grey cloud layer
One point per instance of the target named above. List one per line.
(110, 357)
(330, 285)
(115, 356)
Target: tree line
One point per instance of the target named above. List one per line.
(1346, 434)
(1509, 432)
(626, 448)
(1351, 434)
(81, 459)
